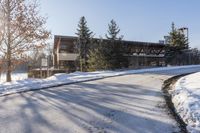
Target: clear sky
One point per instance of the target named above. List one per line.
(139, 20)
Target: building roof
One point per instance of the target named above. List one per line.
(57, 37)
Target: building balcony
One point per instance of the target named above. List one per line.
(67, 56)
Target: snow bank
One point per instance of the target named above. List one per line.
(186, 99)
(61, 79)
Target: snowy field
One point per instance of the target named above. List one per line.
(186, 98)
(15, 76)
(61, 79)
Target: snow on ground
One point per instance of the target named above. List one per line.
(126, 104)
(186, 99)
(15, 76)
(60, 79)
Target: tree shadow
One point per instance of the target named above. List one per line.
(86, 107)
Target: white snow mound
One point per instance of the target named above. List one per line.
(186, 99)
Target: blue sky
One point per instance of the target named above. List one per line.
(139, 20)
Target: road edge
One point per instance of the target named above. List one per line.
(167, 85)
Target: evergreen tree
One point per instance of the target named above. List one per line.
(108, 54)
(177, 39)
(177, 44)
(83, 43)
(97, 57)
(115, 48)
(113, 31)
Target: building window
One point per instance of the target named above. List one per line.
(67, 48)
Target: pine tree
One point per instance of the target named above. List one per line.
(177, 44)
(177, 39)
(115, 49)
(83, 43)
(108, 54)
(113, 31)
(97, 57)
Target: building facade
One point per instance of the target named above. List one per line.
(139, 54)
(64, 55)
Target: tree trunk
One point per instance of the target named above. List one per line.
(8, 56)
(8, 74)
(9, 65)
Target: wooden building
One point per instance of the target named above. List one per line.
(64, 55)
(140, 54)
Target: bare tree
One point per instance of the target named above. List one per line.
(22, 29)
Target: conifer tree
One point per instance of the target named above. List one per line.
(108, 54)
(97, 58)
(83, 43)
(177, 39)
(177, 44)
(115, 50)
(113, 31)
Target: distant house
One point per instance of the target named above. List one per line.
(140, 54)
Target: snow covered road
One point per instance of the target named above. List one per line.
(124, 104)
